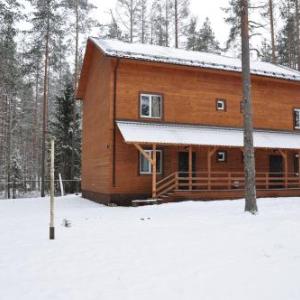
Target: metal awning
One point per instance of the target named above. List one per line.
(178, 134)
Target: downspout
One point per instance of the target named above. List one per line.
(114, 121)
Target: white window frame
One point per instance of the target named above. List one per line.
(223, 104)
(150, 96)
(224, 154)
(296, 110)
(149, 152)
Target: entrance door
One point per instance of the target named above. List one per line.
(276, 170)
(183, 165)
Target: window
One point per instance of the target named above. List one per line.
(145, 165)
(221, 156)
(221, 104)
(150, 106)
(297, 118)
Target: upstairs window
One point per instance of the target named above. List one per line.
(151, 106)
(221, 156)
(297, 118)
(145, 165)
(221, 104)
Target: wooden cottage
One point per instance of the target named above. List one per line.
(166, 124)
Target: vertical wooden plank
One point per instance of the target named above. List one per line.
(154, 171)
(190, 167)
(209, 168)
(286, 170)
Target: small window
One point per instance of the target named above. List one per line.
(221, 104)
(145, 165)
(297, 118)
(221, 156)
(150, 106)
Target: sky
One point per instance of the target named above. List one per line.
(199, 8)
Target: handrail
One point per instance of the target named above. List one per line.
(224, 180)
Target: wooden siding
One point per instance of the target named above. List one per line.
(190, 95)
(97, 126)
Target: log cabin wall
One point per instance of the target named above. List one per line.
(97, 130)
(190, 95)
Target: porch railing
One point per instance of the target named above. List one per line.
(200, 181)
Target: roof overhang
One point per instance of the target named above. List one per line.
(177, 134)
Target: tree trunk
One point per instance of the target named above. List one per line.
(131, 21)
(74, 96)
(249, 159)
(272, 31)
(297, 32)
(176, 23)
(45, 106)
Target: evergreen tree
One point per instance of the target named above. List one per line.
(202, 40)
(192, 35)
(181, 14)
(233, 19)
(207, 41)
(63, 130)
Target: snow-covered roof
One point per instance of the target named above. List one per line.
(169, 55)
(159, 133)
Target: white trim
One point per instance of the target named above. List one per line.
(297, 110)
(150, 97)
(223, 154)
(149, 152)
(222, 102)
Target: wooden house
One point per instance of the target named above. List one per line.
(166, 124)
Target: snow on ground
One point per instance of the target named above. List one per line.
(189, 250)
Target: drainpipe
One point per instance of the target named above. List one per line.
(114, 121)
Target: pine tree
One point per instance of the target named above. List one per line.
(233, 19)
(128, 12)
(181, 14)
(63, 129)
(207, 41)
(192, 35)
(249, 156)
(202, 40)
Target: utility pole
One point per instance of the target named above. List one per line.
(8, 149)
(52, 229)
(249, 158)
(45, 106)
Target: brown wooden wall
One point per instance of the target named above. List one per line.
(97, 127)
(190, 95)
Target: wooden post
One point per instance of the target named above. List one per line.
(209, 155)
(190, 167)
(154, 171)
(284, 155)
(52, 229)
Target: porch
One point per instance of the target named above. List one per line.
(191, 168)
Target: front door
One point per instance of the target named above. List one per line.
(183, 166)
(276, 170)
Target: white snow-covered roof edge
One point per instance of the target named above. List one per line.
(182, 134)
(154, 53)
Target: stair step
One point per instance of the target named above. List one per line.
(144, 202)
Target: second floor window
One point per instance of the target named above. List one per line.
(297, 118)
(150, 106)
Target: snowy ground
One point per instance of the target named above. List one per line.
(189, 250)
